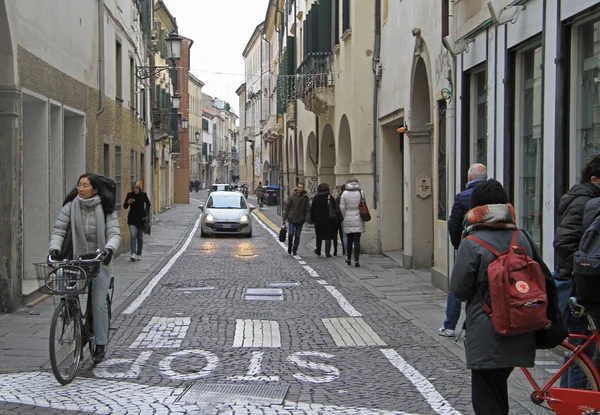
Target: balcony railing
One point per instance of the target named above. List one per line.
(315, 83)
(163, 119)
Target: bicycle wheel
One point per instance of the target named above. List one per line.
(547, 363)
(65, 342)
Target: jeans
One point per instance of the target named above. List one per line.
(453, 307)
(343, 239)
(353, 243)
(294, 231)
(574, 377)
(136, 234)
(99, 291)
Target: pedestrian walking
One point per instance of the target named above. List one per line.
(337, 195)
(88, 215)
(490, 356)
(296, 212)
(324, 214)
(260, 194)
(139, 210)
(354, 226)
(462, 204)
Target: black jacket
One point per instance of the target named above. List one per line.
(462, 204)
(570, 224)
(325, 227)
(138, 209)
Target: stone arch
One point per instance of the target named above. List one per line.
(344, 147)
(327, 156)
(266, 172)
(420, 102)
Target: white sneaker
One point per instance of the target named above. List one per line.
(139, 257)
(443, 331)
(133, 257)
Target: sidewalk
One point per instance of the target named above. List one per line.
(407, 291)
(24, 333)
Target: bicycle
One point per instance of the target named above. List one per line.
(565, 380)
(70, 329)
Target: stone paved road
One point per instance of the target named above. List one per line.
(195, 345)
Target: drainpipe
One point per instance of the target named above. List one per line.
(317, 145)
(100, 57)
(376, 60)
(296, 105)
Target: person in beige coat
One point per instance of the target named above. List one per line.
(354, 226)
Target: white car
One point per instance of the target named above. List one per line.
(226, 213)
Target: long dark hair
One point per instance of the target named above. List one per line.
(106, 197)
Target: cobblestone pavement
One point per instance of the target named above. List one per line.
(194, 338)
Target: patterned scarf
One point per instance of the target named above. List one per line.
(489, 216)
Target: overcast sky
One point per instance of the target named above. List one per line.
(220, 30)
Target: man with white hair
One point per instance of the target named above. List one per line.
(462, 204)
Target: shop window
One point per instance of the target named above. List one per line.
(478, 142)
(586, 79)
(529, 144)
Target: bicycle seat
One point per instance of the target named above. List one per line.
(579, 306)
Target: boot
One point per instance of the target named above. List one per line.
(99, 354)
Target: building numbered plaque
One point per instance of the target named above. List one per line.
(423, 186)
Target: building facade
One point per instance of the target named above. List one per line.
(195, 133)
(59, 93)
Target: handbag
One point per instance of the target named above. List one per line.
(334, 213)
(365, 215)
(282, 233)
(66, 250)
(147, 223)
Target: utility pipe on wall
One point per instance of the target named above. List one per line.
(376, 60)
(101, 73)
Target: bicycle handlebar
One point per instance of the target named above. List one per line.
(98, 258)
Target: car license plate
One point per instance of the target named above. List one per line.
(227, 226)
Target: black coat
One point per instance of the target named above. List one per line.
(570, 224)
(462, 204)
(138, 209)
(325, 227)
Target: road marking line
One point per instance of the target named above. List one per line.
(426, 388)
(337, 337)
(196, 200)
(163, 332)
(148, 290)
(351, 311)
(253, 371)
(257, 333)
(370, 332)
(310, 271)
(322, 282)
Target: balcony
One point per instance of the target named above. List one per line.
(273, 127)
(250, 132)
(290, 115)
(161, 119)
(314, 86)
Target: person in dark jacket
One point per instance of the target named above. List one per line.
(462, 204)
(295, 212)
(337, 195)
(571, 210)
(490, 357)
(138, 204)
(326, 228)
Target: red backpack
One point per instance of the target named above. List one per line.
(517, 290)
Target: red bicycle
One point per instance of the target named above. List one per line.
(565, 380)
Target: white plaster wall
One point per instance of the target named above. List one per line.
(61, 32)
(569, 8)
(528, 24)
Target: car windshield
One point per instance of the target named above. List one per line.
(227, 202)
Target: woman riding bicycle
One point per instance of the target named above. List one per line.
(90, 211)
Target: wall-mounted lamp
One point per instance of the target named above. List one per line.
(185, 123)
(456, 47)
(501, 16)
(175, 100)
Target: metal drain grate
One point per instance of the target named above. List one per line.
(257, 394)
(195, 289)
(264, 294)
(284, 284)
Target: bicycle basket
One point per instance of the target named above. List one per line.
(65, 279)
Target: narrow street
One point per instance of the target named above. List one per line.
(194, 338)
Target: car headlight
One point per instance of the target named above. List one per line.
(244, 218)
(209, 217)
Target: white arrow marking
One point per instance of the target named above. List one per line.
(120, 398)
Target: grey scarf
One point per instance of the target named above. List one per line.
(80, 245)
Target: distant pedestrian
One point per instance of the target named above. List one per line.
(296, 213)
(354, 226)
(139, 205)
(462, 204)
(490, 356)
(196, 185)
(337, 194)
(326, 227)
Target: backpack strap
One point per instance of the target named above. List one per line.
(487, 246)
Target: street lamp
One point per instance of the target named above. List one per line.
(173, 44)
(185, 123)
(175, 100)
